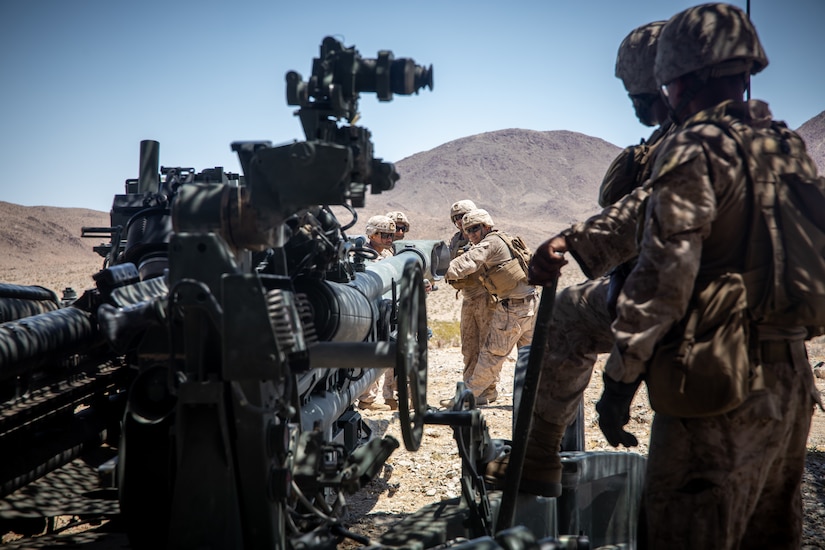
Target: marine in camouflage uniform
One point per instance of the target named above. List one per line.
(731, 480)
(380, 232)
(402, 227)
(513, 313)
(475, 304)
(580, 325)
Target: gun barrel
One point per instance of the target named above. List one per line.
(51, 335)
(148, 171)
(345, 319)
(341, 312)
(18, 301)
(27, 292)
(435, 255)
(378, 278)
(347, 312)
(324, 409)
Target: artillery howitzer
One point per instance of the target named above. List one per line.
(232, 327)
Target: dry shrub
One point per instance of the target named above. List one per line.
(446, 334)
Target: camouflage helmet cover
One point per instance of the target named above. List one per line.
(715, 38)
(476, 217)
(637, 54)
(380, 224)
(461, 207)
(398, 217)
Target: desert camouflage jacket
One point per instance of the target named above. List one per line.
(382, 254)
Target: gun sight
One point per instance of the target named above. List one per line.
(340, 74)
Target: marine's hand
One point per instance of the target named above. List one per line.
(548, 260)
(614, 411)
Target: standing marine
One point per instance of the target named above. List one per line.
(475, 305)
(492, 259)
(380, 233)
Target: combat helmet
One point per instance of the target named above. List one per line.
(711, 40)
(460, 208)
(380, 224)
(399, 217)
(637, 54)
(476, 217)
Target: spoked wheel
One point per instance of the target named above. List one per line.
(411, 358)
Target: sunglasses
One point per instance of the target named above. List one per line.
(472, 229)
(386, 235)
(457, 218)
(402, 228)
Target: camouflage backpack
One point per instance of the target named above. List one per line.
(703, 367)
(519, 250)
(503, 278)
(785, 258)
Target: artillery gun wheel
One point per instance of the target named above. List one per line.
(411, 358)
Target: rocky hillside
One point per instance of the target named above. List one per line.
(533, 184)
(42, 245)
(813, 132)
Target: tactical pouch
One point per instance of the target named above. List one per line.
(785, 264)
(622, 176)
(617, 275)
(503, 278)
(702, 367)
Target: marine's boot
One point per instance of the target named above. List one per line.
(541, 473)
(487, 396)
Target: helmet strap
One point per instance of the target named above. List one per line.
(693, 84)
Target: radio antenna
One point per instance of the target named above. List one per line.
(748, 11)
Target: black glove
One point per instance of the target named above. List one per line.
(614, 411)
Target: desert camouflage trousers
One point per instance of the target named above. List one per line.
(733, 481)
(511, 325)
(388, 391)
(579, 331)
(475, 322)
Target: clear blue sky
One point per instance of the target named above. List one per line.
(83, 81)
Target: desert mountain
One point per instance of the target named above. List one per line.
(532, 183)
